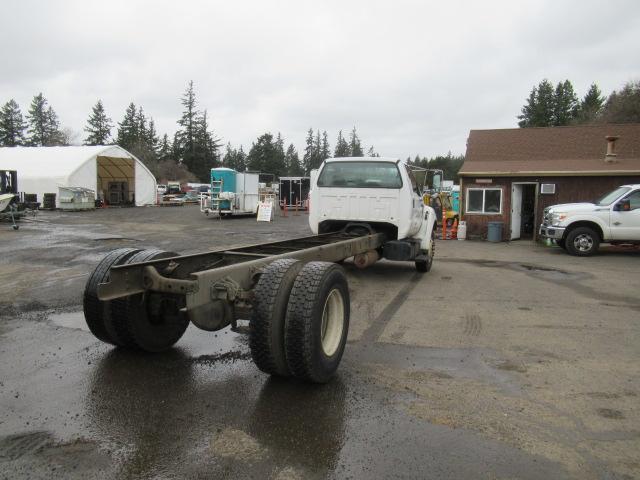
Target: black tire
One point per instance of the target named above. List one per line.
(319, 285)
(266, 329)
(562, 243)
(95, 310)
(582, 242)
(425, 261)
(151, 321)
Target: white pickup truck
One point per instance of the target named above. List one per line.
(580, 228)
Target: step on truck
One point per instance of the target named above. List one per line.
(293, 292)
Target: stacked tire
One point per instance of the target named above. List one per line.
(152, 322)
(300, 320)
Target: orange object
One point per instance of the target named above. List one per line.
(444, 224)
(454, 229)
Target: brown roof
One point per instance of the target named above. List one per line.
(552, 151)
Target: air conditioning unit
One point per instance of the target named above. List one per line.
(548, 188)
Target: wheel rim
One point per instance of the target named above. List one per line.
(332, 322)
(583, 242)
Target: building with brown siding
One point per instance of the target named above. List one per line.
(511, 175)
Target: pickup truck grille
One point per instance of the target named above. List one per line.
(546, 217)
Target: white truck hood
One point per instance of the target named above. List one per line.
(573, 207)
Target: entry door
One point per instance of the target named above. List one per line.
(516, 211)
(625, 225)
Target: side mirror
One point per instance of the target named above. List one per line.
(623, 205)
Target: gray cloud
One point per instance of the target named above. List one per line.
(413, 76)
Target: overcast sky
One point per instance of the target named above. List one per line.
(413, 76)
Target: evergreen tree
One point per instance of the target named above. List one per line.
(241, 160)
(309, 152)
(325, 149)
(37, 118)
(591, 105)
(128, 128)
(164, 149)
(292, 162)
(540, 107)
(372, 152)
(186, 136)
(151, 139)
(142, 129)
(565, 104)
(342, 147)
(12, 125)
(354, 144)
(98, 126)
(229, 159)
(623, 106)
(280, 154)
(263, 156)
(194, 144)
(53, 134)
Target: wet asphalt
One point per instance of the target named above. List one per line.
(72, 407)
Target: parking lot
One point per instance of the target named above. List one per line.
(509, 360)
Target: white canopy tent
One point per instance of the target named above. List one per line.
(116, 175)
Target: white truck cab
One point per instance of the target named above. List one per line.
(379, 194)
(579, 228)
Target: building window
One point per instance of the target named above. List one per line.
(484, 200)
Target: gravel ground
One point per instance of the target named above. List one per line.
(508, 360)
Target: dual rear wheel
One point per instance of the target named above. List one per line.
(151, 322)
(300, 319)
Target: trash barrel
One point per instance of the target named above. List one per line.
(494, 233)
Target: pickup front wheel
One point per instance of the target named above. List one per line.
(582, 242)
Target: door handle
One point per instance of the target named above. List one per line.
(617, 223)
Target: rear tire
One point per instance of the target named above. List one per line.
(582, 242)
(148, 321)
(317, 322)
(95, 310)
(267, 326)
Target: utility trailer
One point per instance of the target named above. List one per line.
(293, 292)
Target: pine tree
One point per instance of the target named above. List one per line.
(623, 106)
(142, 129)
(38, 121)
(53, 134)
(325, 150)
(372, 152)
(292, 162)
(12, 125)
(354, 144)
(164, 150)
(540, 107)
(151, 138)
(591, 105)
(280, 154)
(186, 136)
(241, 160)
(342, 147)
(98, 126)
(309, 150)
(565, 104)
(128, 128)
(229, 159)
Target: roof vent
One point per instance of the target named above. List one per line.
(611, 156)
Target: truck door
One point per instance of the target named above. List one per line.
(625, 224)
(416, 203)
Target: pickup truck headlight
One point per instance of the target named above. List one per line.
(557, 217)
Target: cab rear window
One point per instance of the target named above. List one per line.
(360, 175)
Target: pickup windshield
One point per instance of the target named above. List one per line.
(608, 198)
(360, 175)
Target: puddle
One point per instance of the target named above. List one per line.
(74, 320)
